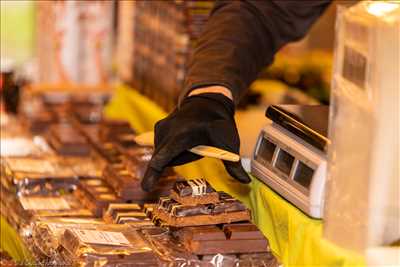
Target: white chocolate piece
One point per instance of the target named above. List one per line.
(147, 139)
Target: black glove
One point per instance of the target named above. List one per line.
(204, 119)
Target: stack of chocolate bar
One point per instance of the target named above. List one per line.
(127, 213)
(164, 34)
(195, 203)
(96, 195)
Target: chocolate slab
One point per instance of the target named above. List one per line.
(229, 239)
(208, 198)
(198, 220)
(200, 233)
(68, 141)
(242, 232)
(229, 205)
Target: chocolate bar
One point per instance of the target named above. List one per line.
(114, 208)
(86, 167)
(26, 174)
(193, 192)
(126, 183)
(231, 239)
(242, 231)
(117, 247)
(111, 129)
(67, 141)
(109, 151)
(175, 214)
(96, 195)
(38, 123)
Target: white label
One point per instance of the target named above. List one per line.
(44, 203)
(101, 237)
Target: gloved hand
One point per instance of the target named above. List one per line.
(204, 119)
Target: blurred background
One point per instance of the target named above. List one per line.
(98, 42)
(144, 46)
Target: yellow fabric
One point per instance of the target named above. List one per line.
(12, 243)
(295, 238)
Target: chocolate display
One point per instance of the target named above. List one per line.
(72, 210)
(192, 192)
(115, 209)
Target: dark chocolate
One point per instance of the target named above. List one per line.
(230, 205)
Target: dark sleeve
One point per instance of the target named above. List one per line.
(242, 37)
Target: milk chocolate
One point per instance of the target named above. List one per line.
(198, 220)
(230, 239)
(242, 232)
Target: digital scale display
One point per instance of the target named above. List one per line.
(290, 155)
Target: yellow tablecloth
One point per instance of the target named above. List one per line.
(12, 243)
(295, 238)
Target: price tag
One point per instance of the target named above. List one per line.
(101, 237)
(44, 203)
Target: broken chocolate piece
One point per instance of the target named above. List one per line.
(196, 187)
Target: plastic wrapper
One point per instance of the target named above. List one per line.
(43, 236)
(112, 245)
(23, 210)
(362, 203)
(36, 175)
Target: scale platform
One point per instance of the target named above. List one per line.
(290, 155)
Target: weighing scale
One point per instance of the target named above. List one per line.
(290, 155)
